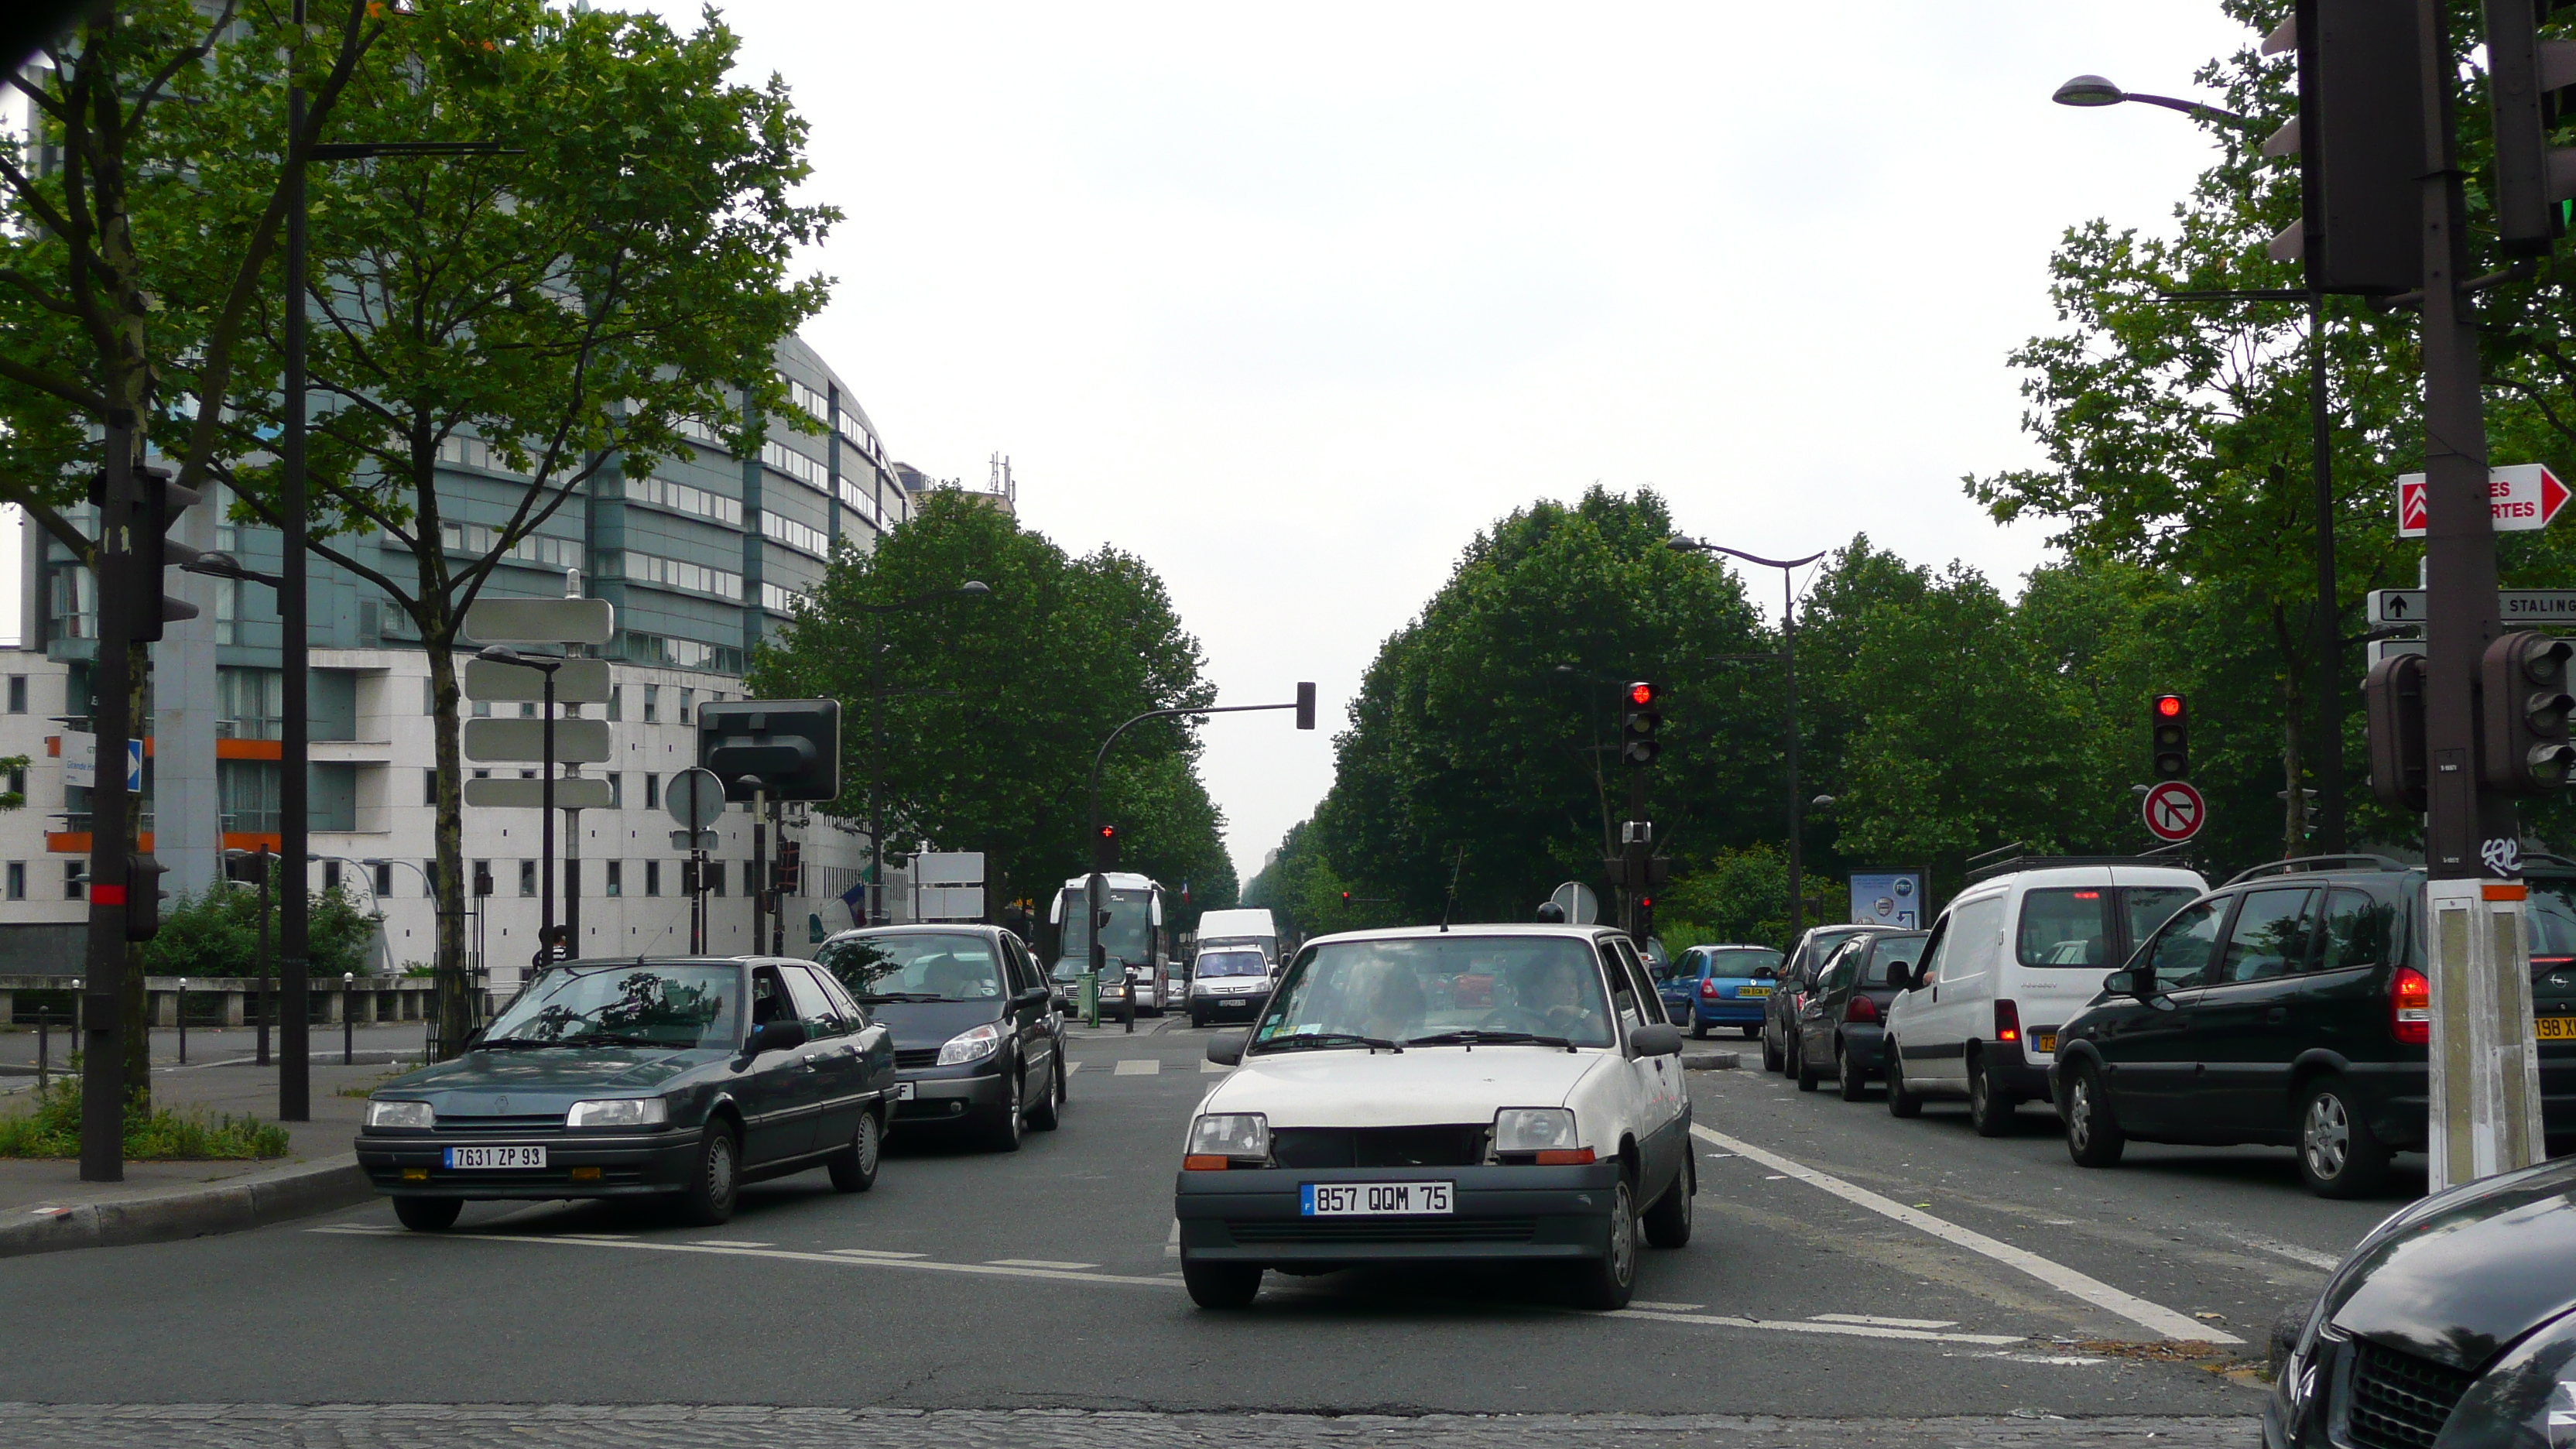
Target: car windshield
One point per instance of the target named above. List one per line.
(1741, 961)
(2148, 907)
(923, 966)
(2551, 913)
(1230, 963)
(1340, 992)
(679, 1005)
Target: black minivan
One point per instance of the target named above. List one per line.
(2291, 1006)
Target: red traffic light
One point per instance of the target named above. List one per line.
(2169, 706)
(1109, 832)
(1641, 694)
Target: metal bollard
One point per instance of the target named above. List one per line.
(44, 1047)
(348, 1020)
(182, 1014)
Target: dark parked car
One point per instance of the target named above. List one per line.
(677, 1078)
(2291, 1006)
(1844, 1020)
(1779, 1012)
(977, 1039)
(2453, 1323)
(1719, 986)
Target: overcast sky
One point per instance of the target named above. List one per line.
(1292, 300)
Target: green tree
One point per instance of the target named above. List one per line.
(216, 932)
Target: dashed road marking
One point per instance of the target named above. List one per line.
(1875, 1321)
(1139, 1067)
(729, 1243)
(2309, 1257)
(1665, 1307)
(1856, 1330)
(875, 1253)
(1172, 1240)
(1213, 1069)
(1035, 1263)
(2092, 1290)
(1070, 1068)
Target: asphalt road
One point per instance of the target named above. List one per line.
(1846, 1266)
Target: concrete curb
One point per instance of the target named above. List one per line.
(224, 1207)
(1711, 1061)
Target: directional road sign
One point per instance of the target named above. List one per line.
(540, 621)
(2516, 607)
(693, 840)
(695, 798)
(577, 681)
(1581, 906)
(2174, 811)
(577, 741)
(2520, 498)
(571, 793)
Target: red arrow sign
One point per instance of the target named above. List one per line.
(2521, 497)
(2410, 507)
(2174, 811)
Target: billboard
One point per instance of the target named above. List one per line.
(1888, 898)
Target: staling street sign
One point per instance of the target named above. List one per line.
(2523, 608)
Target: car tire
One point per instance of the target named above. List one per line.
(428, 1214)
(715, 1175)
(1798, 1066)
(1063, 1076)
(1751, 1032)
(2339, 1156)
(1004, 1134)
(1221, 1285)
(854, 1168)
(1043, 1115)
(1699, 1030)
(1900, 1102)
(1668, 1222)
(1854, 1078)
(1771, 1055)
(1990, 1104)
(1607, 1283)
(1197, 1022)
(2093, 1135)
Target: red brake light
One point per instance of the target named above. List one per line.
(2088, 895)
(1860, 1009)
(2007, 1021)
(1564, 1156)
(2410, 1007)
(1707, 989)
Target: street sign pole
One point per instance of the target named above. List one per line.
(759, 861)
(2485, 1108)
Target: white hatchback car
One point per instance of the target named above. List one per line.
(1483, 1094)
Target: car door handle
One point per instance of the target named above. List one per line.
(808, 1060)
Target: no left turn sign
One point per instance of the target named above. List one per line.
(2174, 811)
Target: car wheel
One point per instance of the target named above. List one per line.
(2339, 1156)
(707, 1201)
(1043, 1115)
(1900, 1102)
(2093, 1135)
(428, 1214)
(1004, 1134)
(1609, 1281)
(1751, 1032)
(1063, 1076)
(1221, 1285)
(1798, 1066)
(1771, 1055)
(1854, 1076)
(1668, 1222)
(1990, 1107)
(1699, 1029)
(854, 1168)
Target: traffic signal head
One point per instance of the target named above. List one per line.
(2528, 80)
(2169, 736)
(1638, 723)
(2525, 712)
(149, 514)
(2359, 137)
(1104, 847)
(143, 897)
(1306, 705)
(786, 749)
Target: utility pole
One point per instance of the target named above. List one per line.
(294, 925)
(101, 1033)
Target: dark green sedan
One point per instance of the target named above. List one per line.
(672, 1078)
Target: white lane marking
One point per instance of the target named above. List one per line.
(2056, 1275)
(1036, 1263)
(1213, 1069)
(1139, 1067)
(1856, 1330)
(2310, 1257)
(729, 1243)
(1877, 1322)
(1070, 1068)
(875, 1253)
(617, 1237)
(845, 1257)
(1673, 1307)
(2069, 1359)
(1172, 1240)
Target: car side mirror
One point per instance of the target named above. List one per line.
(1655, 1039)
(1915, 977)
(1032, 996)
(1900, 974)
(1765, 973)
(2126, 983)
(1226, 1049)
(778, 1036)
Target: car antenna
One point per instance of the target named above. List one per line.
(1452, 902)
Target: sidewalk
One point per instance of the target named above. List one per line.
(44, 1205)
(207, 1045)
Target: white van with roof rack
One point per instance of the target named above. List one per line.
(2014, 955)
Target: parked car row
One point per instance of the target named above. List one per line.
(2290, 1006)
(679, 1079)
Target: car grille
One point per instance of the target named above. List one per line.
(916, 1057)
(1443, 1146)
(1314, 1232)
(515, 1122)
(2400, 1401)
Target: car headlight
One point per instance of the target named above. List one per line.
(1113, 988)
(971, 1045)
(2529, 1395)
(381, 1113)
(1544, 1135)
(619, 1112)
(1221, 1139)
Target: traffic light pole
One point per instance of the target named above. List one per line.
(2485, 1098)
(102, 1035)
(294, 923)
(759, 881)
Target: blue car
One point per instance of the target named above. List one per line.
(1720, 986)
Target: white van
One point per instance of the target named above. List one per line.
(2009, 960)
(1241, 928)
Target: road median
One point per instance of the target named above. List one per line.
(276, 1195)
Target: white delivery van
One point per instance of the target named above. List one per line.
(1241, 928)
(2023, 948)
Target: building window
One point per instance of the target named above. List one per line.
(429, 788)
(673, 573)
(75, 878)
(18, 783)
(384, 883)
(652, 792)
(250, 704)
(652, 704)
(17, 694)
(688, 706)
(17, 880)
(652, 877)
(615, 885)
(527, 709)
(482, 877)
(616, 792)
(715, 876)
(616, 701)
(429, 877)
(330, 875)
(428, 695)
(571, 879)
(527, 877)
(246, 794)
(482, 709)
(482, 774)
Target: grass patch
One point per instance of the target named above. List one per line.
(52, 1129)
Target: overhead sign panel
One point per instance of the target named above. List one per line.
(518, 741)
(577, 681)
(2516, 607)
(571, 793)
(540, 621)
(948, 867)
(2521, 498)
(1892, 898)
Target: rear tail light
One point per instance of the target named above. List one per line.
(2410, 1007)
(1707, 990)
(1861, 1009)
(1564, 1157)
(2007, 1021)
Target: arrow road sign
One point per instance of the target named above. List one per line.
(571, 793)
(577, 741)
(2521, 498)
(2174, 811)
(2516, 607)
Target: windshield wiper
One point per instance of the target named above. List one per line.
(1331, 1038)
(611, 1038)
(1474, 1038)
(514, 1041)
(872, 997)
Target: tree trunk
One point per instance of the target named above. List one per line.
(2294, 798)
(456, 1007)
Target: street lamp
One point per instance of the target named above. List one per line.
(2093, 90)
(1788, 657)
(546, 664)
(971, 589)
